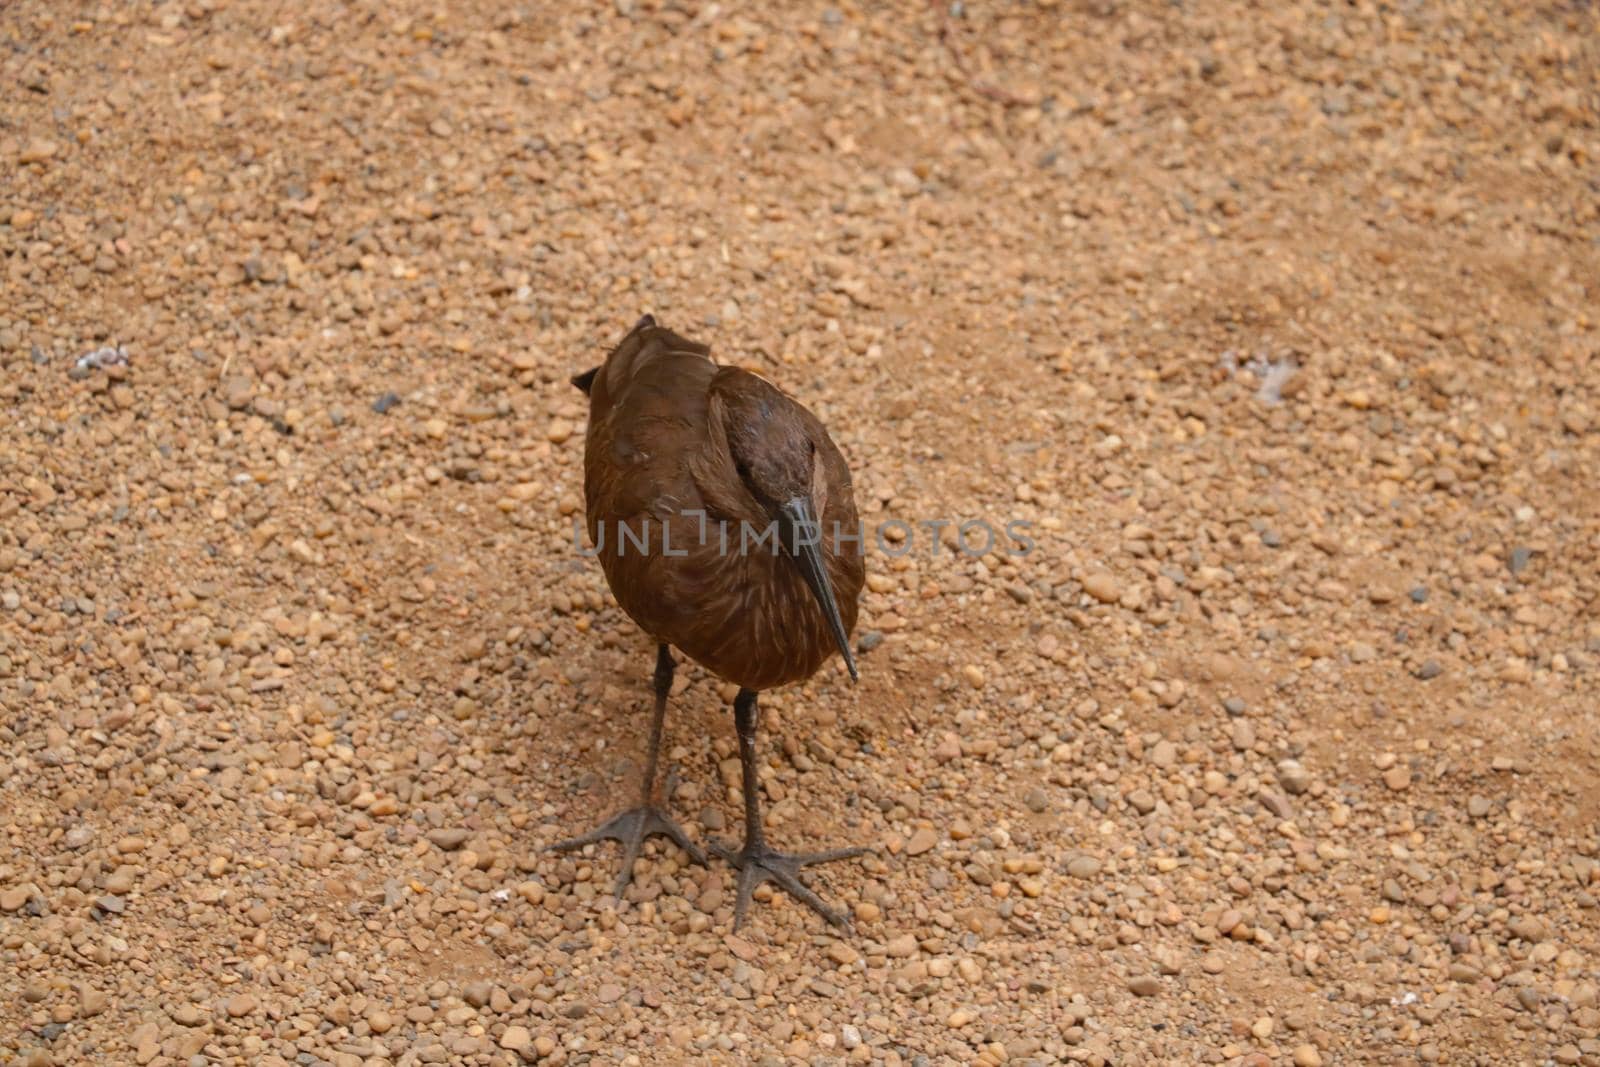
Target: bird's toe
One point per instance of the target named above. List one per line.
(632, 828)
(758, 864)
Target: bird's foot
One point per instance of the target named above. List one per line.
(632, 828)
(758, 863)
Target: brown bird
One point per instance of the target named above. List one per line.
(723, 516)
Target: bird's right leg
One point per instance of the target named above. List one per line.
(757, 861)
(634, 826)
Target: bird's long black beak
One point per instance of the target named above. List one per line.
(802, 539)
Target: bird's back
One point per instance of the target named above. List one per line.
(654, 465)
(647, 411)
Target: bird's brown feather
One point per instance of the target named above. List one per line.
(662, 416)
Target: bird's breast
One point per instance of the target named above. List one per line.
(718, 592)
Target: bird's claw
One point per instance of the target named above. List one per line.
(758, 863)
(632, 828)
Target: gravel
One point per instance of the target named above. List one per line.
(1265, 741)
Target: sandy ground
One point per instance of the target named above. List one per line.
(1278, 325)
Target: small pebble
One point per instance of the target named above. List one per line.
(516, 1039)
(1103, 586)
(1294, 778)
(449, 839)
(1083, 866)
(921, 841)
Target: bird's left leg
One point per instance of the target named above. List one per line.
(757, 861)
(634, 826)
